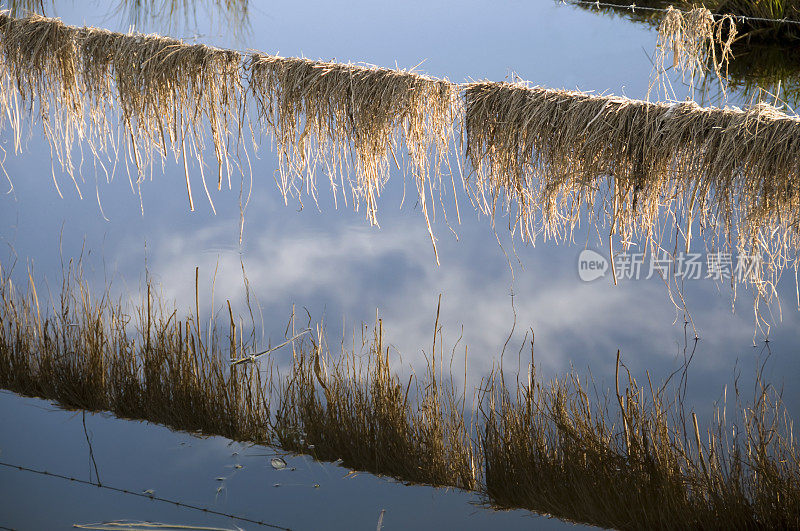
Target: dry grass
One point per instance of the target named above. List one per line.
(88, 353)
(637, 460)
(757, 30)
(150, 97)
(764, 32)
(714, 42)
(550, 156)
(633, 457)
(351, 121)
(697, 42)
(168, 93)
(359, 411)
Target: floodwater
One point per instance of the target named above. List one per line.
(211, 472)
(334, 265)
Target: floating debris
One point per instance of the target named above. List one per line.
(278, 463)
(132, 525)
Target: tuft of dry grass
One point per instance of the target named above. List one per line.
(632, 457)
(697, 42)
(88, 352)
(152, 97)
(351, 121)
(362, 413)
(39, 65)
(772, 30)
(761, 30)
(168, 92)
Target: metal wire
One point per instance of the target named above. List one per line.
(142, 495)
(633, 8)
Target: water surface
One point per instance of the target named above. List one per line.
(338, 268)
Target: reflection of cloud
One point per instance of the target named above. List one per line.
(347, 272)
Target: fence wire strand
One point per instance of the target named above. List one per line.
(143, 495)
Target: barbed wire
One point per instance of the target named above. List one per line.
(633, 8)
(143, 495)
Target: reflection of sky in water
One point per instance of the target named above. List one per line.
(339, 268)
(139, 457)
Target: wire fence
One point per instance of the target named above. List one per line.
(634, 8)
(148, 496)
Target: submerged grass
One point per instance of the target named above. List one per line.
(629, 458)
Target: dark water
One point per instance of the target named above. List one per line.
(141, 457)
(333, 264)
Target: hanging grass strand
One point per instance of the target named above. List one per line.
(698, 43)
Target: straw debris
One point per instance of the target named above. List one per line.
(168, 93)
(154, 94)
(545, 155)
(549, 155)
(697, 43)
(351, 121)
